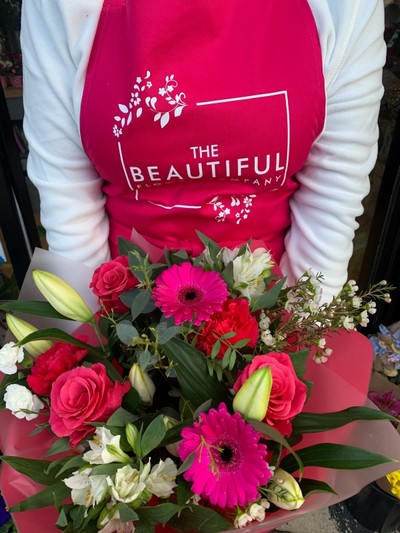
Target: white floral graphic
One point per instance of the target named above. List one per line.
(170, 104)
(240, 207)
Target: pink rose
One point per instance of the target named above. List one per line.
(80, 396)
(109, 280)
(288, 393)
(234, 316)
(52, 363)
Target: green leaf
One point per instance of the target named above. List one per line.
(126, 332)
(75, 462)
(153, 435)
(273, 434)
(159, 514)
(191, 371)
(139, 303)
(215, 349)
(33, 468)
(59, 334)
(131, 401)
(337, 456)
(210, 244)
(125, 246)
(126, 514)
(44, 498)
(227, 274)
(203, 408)
(166, 333)
(121, 417)
(59, 446)
(31, 308)
(183, 492)
(105, 470)
(200, 519)
(310, 486)
(62, 521)
(299, 361)
(227, 357)
(316, 422)
(268, 299)
(187, 463)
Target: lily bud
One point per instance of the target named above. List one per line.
(132, 433)
(62, 296)
(284, 491)
(142, 383)
(252, 399)
(169, 423)
(21, 329)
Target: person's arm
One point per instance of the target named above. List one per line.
(56, 39)
(335, 179)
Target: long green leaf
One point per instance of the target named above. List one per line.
(59, 446)
(59, 334)
(33, 468)
(29, 307)
(337, 456)
(200, 519)
(44, 498)
(316, 422)
(311, 486)
(191, 370)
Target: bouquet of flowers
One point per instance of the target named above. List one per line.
(183, 400)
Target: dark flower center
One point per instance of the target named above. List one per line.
(189, 295)
(226, 454)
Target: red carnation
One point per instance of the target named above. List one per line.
(52, 363)
(234, 316)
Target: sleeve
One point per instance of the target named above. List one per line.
(335, 178)
(56, 39)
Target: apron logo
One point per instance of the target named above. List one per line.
(170, 104)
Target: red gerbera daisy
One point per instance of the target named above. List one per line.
(189, 293)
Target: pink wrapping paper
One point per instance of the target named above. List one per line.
(341, 382)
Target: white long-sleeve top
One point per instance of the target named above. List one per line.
(57, 38)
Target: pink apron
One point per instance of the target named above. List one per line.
(198, 115)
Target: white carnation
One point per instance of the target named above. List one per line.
(10, 355)
(21, 402)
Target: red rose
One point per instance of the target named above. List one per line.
(288, 393)
(80, 396)
(52, 363)
(234, 316)
(110, 280)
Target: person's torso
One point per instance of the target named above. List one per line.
(198, 115)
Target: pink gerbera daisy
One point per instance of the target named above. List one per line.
(230, 462)
(189, 293)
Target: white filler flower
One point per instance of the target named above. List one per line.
(21, 402)
(10, 355)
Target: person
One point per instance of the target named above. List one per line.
(151, 120)
(237, 121)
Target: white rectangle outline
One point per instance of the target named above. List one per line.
(252, 97)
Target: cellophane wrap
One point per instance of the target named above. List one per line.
(340, 383)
